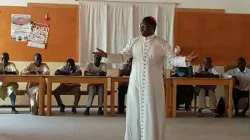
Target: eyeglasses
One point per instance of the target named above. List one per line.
(144, 26)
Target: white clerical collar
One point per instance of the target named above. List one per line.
(240, 71)
(149, 37)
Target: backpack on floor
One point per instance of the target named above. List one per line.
(221, 107)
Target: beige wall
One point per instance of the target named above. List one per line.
(231, 6)
(68, 100)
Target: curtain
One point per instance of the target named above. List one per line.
(110, 25)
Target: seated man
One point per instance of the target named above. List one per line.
(95, 69)
(32, 89)
(123, 87)
(70, 69)
(185, 93)
(207, 68)
(241, 77)
(8, 89)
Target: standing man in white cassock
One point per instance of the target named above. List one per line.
(145, 118)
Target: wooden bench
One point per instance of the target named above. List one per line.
(22, 92)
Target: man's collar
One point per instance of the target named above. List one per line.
(149, 37)
(238, 70)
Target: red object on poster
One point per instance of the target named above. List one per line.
(46, 17)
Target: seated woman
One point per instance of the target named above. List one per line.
(207, 68)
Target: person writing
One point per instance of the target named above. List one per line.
(32, 89)
(69, 69)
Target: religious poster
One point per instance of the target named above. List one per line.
(20, 27)
(38, 35)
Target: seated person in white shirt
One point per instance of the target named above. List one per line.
(69, 69)
(207, 68)
(8, 88)
(241, 77)
(95, 69)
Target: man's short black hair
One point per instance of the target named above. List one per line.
(242, 60)
(71, 61)
(38, 55)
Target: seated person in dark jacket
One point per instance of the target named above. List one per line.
(185, 93)
(123, 87)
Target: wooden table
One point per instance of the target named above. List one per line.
(76, 79)
(168, 89)
(30, 79)
(228, 83)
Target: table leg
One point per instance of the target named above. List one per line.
(49, 97)
(106, 98)
(230, 100)
(195, 103)
(171, 100)
(166, 100)
(249, 105)
(226, 97)
(41, 96)
(112, 98)
(168, 92)
(174, 99)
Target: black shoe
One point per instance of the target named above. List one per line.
(100, 111)
(86, 112)
(237, 114)
(62, 108)
(199, 114)
(120, 112)
(188, 108)
(74, 110)
(216, 115)
(14, 110)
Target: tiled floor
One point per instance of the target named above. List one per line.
(78, 127)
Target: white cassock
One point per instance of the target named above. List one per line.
(145, 118)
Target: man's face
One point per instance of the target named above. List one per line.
(5, 59)
(241, 65)
(177, 50)
(38, 60)
(97, 58)
(146, 29)
(207, 62)
(71, 65)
